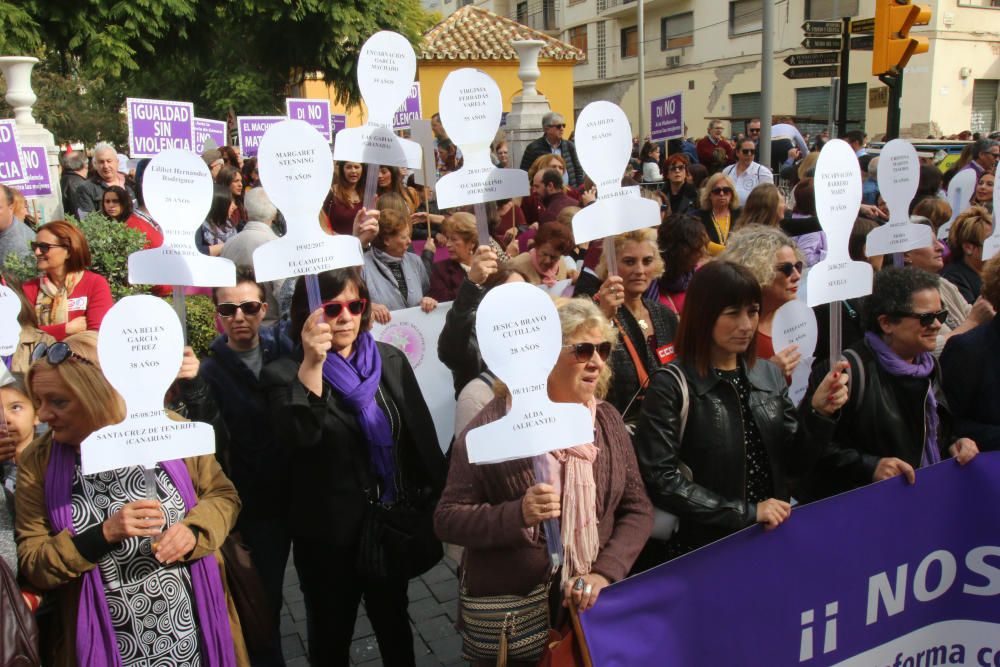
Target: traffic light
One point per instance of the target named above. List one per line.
(893, 45)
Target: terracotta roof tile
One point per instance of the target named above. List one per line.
(474, 33)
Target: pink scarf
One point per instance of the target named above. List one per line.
(572, 469)
(548, 277)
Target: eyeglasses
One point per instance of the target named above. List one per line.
(747, 151)
(754, 130)
(333, 309)
(788, 267)
(561, 126)
(676, 167)
(925, 319)
(44, 247)
(229, 309)
(995, 156)
(584, 352)
(56, 353)
(722, 191)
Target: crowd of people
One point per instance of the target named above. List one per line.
(326, 448)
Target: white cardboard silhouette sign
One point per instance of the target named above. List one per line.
(177, 187)
(795, 324)
(838, 197)
(991, 246)
(520, 339)
(10, 328)
(140, 346)
(898, 179)
(604, 146)
(960, 190)
(386, 67)
(296, 170)
(471, 106)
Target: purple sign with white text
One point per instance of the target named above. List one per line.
(205, 129)
(314, 112)
(666, 119)
(338, 122)
(409, 110)
(12, 171)
(156, 125)
(36, 167)
(251, 130)
(889, 574)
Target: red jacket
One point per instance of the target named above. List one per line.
(90, 298)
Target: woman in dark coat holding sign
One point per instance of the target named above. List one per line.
(495, 511)
(360, 439)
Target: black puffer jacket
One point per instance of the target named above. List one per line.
(712, 504)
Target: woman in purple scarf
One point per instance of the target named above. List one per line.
(360, 440)
(892, 424)
(134, 581)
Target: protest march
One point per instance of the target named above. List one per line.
(618, 396)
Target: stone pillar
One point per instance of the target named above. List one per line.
(524, 122)
(17, 72)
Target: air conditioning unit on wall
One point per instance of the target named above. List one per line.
(673, 61)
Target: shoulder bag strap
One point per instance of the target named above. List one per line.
(640, 367)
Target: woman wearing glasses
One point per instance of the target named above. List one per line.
(719, 211)
(67, 298)
(893, 423)
(681, 195)
(745, 173)
(718, 437)
(777, 264)
(134, 581)
(360, 441)
(495, 511)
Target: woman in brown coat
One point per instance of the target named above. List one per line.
(135, 581)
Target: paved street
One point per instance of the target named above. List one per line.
(432, 616)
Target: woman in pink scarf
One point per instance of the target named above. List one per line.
(495, 511)
(544, 264)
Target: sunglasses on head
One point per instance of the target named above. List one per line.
(45, 247)
(333, 309)
(788, 267)
(722, 191)
(56, 353)
(585, 351)
(229, 309)
(926, 319)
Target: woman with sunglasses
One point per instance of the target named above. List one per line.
(645, 327)
(681, 195)
(745, 173)
(67, 298)
(893, 423)
(359, 440)
(112, 562)
(495, 511)
(719, 211)
(777, 265)
(718, 437)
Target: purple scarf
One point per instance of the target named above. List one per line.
(95, 636)
(923, 368)
(356, 379)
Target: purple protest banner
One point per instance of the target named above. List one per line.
(205, 129)
(251, 130)
(338, 122)
(36, 167)
(409, 110)
(890, 574)
(314, 112)
(666, 118)
(156, 125)
(12, 171)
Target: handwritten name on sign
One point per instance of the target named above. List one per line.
(470, 105)
(838, 198)
(296, 169)
(898, 179)
(604, 146)
(520, 338)
(156, 125)
(140, 347)
(178, 191)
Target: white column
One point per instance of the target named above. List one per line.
(524, 122)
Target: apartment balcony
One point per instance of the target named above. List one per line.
(618, 8)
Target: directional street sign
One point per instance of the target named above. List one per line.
(822, 43)
(821, 72)
(822, 27)
(863, 43)
(821, 58)
(862, 25)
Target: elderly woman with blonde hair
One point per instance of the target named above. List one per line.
(777, 264)
(720, 208)
(133, 581)
(495, 511)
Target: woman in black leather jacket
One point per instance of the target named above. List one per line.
(743, 437)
